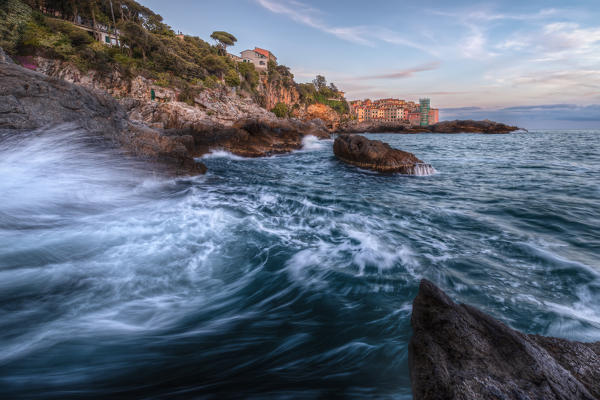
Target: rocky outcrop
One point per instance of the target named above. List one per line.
(458, 126)
(470, 126)
(378, 156)
(323, 112)
(31, 100)
(459, 352)
(252, 137)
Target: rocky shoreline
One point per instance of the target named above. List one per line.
(31, 100)
(459, 352)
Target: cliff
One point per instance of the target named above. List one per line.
(217, 106)
(459, 352)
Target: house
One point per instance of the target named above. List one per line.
(234, 57)
(259, 57)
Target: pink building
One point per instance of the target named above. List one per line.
(434, 116)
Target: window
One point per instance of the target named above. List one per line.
(107, 39)
(262, 63)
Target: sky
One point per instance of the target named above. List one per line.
(532, 63)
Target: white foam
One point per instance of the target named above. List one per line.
(311, 143)
(223, 154)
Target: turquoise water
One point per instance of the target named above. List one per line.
(284, 277)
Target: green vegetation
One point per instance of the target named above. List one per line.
(280, 75)
(147, 46)
(223, 40)
(281, 110)
(319, 92)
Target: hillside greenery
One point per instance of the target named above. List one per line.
(317, 91)
(147, 46)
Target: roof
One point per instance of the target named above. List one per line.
(264, 52)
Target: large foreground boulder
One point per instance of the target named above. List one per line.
(30, 100)
(459, 352)
(378, 156)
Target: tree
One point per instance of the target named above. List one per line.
(333, 88)
(223, 40)
(215, 64)
(319, 82)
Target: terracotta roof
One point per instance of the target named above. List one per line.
(264, 52)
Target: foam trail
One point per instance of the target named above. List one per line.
(423, 170)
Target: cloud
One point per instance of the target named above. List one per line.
(306, 15)
(360, 34)
(405, 73)
(481, 15)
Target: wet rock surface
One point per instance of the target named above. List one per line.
(377, 155)
(459, 352)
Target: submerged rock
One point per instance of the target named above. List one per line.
(459, 352)
(378, 156)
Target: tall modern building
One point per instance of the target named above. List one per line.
(425, 105)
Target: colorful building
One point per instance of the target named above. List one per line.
(395, 110)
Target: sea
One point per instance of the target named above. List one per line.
(286, 277)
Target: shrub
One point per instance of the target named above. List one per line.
(210, 82)
(281, 110)
(232, 78)
(249, 73)
(187, 95)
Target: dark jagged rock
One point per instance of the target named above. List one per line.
(378, 156)
(253, 137)
(30, 100)
(458, 126)
(459, 352)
